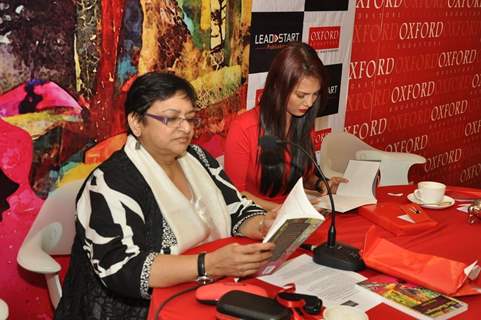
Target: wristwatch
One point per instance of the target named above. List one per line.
(202, 276)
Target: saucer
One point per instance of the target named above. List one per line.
(450, 201)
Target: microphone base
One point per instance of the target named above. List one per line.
(340, 256)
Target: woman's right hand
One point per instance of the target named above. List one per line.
(236, 260)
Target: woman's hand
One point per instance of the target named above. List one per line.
(257, 226)
(333, 184)
(267, 221)
(235, 260)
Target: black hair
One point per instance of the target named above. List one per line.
(155, 86)
(290, 65)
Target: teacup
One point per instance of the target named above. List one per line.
(341, 312)
(430, 192)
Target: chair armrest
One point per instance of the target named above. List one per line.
(33, 256)
(394, 166)
(379, 155)
(3, 310)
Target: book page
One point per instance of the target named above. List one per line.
(344, 203)
(358, 191)
(361, 176)
(296, 205)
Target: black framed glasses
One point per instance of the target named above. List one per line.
(175, 122)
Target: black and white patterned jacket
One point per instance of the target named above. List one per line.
(108, 280)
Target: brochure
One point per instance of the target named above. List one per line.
(417, 301)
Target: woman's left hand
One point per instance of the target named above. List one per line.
(257, 226)
(335, 181)
(267, 221)
(333, 184)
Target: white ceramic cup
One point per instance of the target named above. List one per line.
(430, 192)
(344, 313)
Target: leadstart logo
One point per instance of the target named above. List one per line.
(276, 38)
(268, 36)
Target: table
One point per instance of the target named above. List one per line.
(454, 239)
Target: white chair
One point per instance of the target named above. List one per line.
(51, 233)
(339, 147)
(3, 310)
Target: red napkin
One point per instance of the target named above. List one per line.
(433, 272)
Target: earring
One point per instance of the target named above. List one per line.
(137, 145)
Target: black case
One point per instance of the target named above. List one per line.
(248, 306)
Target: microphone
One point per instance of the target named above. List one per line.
(331, 253)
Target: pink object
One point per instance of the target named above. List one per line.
(211, 293)
(52, 96)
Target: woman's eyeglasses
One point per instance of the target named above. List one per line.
(175, 122)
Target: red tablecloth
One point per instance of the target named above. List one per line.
(455, 239)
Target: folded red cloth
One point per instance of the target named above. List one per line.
(386, 215)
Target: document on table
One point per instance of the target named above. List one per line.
(334, 287)
(358, 191)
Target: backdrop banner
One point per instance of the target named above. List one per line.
(325, 25)
(415, 84)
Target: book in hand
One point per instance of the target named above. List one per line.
(358, 191)
(296, 220)
(417, 301)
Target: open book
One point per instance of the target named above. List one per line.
(419, 302)
(296, 220)
(358, 191)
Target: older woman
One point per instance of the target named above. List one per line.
(151, 201)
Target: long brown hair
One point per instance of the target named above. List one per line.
(291, 64)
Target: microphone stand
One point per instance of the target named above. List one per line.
(331, 253)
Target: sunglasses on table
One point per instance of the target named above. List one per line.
(175, 122)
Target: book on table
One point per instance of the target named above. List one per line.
(417, 301)
(360, 189)
(296, 220)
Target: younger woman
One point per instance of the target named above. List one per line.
(295, 90)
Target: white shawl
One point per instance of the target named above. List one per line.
(192, 222)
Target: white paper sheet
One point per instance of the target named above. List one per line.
(334, 287)
(358, 191)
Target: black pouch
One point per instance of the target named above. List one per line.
(247, 306)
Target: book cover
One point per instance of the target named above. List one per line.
(417, 301)
(296, 220)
